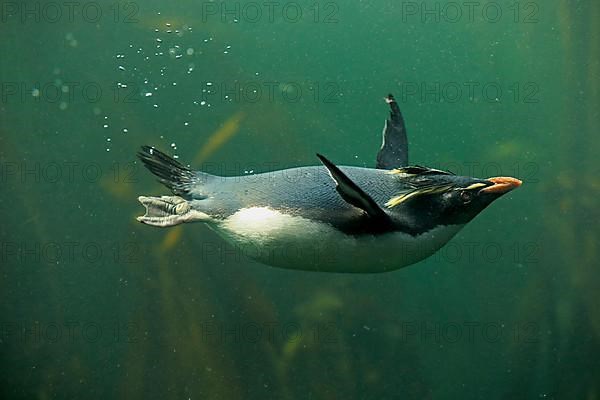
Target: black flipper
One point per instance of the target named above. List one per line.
(353, 194)
(394, 149)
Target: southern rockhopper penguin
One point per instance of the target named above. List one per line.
(327, 218)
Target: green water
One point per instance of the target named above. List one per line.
(96, 305)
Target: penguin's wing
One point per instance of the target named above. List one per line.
(353, 194)
(394, 149)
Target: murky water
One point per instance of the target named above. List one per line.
(96, 305)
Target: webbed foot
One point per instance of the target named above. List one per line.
(168, 211)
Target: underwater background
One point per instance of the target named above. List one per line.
(95, 305)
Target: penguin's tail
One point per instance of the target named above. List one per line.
(187, 184)
(182, 180)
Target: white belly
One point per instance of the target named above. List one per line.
(294, 242)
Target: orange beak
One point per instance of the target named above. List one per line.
(502, 184)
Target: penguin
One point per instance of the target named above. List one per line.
(327, 217)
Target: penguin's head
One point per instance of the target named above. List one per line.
(431, 198)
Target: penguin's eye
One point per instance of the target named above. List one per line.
(466, 197)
